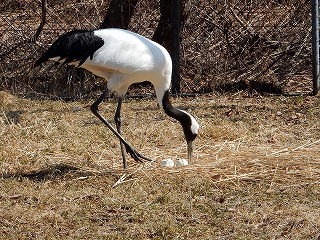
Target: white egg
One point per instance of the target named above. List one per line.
(182, 162)
(167, 163)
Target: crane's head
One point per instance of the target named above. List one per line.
(190, 129)
(188, 122)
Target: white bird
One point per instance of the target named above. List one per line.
(122, 57)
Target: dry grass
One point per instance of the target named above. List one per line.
(256, 173)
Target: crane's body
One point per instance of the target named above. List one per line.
(98, 51)
(122, 57)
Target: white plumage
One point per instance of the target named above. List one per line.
(122, 57)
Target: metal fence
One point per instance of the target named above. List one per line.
(262, 46)
(315, 46)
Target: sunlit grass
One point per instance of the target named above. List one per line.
(255, 172)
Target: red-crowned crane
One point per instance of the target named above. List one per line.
(122, 57)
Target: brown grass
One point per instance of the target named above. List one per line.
(256, 173)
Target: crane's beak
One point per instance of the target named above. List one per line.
(190, 150)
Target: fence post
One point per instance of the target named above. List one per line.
(315, 45)
(175, 45)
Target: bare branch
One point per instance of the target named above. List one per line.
(43, 21)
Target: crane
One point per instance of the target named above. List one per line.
(122, 58)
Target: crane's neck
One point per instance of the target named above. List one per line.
(170, 110)
(187, 121)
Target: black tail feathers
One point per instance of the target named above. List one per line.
(74, 46)
(41, 60)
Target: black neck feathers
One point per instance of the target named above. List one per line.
(183, 117)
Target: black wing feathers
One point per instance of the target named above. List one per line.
(73, 46)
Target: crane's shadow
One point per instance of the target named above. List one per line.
(48, 173)
(57, 171)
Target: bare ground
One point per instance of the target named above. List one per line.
(255, 175)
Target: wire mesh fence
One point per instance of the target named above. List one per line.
(225, 45)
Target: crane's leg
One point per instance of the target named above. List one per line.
(134, 154)
(117, 119)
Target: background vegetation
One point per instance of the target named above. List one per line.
(226, 45)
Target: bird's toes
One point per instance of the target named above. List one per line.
(135, 156)
(133, 153)
(145, 158)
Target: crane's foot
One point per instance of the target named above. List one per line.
(136, 155)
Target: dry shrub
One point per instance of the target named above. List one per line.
(7, 100)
